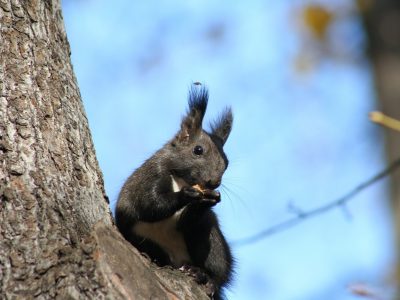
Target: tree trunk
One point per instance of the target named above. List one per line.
(382, 22)
(57, 238)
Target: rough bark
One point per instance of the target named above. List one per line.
(382, 22)
(57, 239)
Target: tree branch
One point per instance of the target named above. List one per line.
(304, 215)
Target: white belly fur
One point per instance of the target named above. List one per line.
(164, 233)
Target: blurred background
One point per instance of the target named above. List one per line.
(301, 77)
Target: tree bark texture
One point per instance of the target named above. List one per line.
(382, 22)
(57, 239)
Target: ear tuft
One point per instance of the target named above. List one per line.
(221, 128)
(198, 99)
(191, 124)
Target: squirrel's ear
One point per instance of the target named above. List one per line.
(192, 123)
(222, 127)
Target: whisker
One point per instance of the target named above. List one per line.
(231, 182)
(229, 193)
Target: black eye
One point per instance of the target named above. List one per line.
(198, 150)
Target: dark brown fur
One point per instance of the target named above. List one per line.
(158, 204)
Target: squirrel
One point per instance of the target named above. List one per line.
(165, 207)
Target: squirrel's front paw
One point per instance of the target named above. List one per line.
(210, 198)
(212, 194)
(191, 193)
(207, 202)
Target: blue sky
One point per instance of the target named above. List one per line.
(300, 137)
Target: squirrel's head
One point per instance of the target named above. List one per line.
(197, 155)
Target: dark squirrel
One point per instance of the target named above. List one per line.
(165, 207)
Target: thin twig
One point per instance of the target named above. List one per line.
(340, 202)
(384, 120)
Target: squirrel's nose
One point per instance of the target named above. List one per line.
(213, 184)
